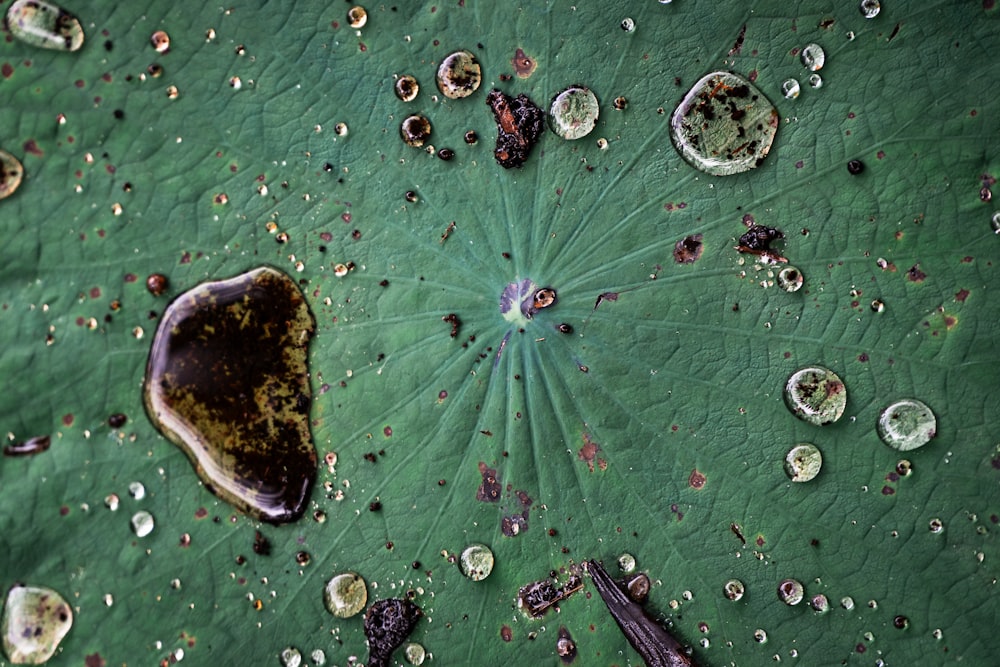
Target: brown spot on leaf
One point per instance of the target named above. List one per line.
(915, 275)
(962, 295)
(489, 490)
(524, 65)
(506, 633)
(94, 660)
(697, 479)
(588, 453)
(688, 250)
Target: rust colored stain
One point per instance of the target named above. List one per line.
(67, 419)
(489, 490)
(94, 660)
(7, 69)
(506, 633)
(962, 295)
(524, 65)
(31, 146)
(697, 480)
(588, 454)
(915, 275)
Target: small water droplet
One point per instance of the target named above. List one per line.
(142, 523)
(228, 382)
(415, 130)
(935, 525)
(627, 563)
(790, 279)
(816, 395)
(415, 653)
(759, 636)
(790, 89)
(45, 25)
(847, 603)
(733, 590)
(901, 622)
(994, 222)
(459, 75)
(574, 112)
(628, 24)
(724, 125)
(813, 57)
(476, 561)
(357, 17)
(291, 657)
(318, 657)
(937, 634)
(870, 8)
(803, 462)
(815, 80)
(407, 88)
(907, 424)
(791, 591)
(137, 490)
(345, 595)
(340, 129)
(160, 41)
(111, 501)
(820, 603)
(878, 306)
(35, 619)
(11, 174)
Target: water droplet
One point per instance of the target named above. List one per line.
(291, 657)
(878, 305)
(627, 563)
(820, 603)
(228, 382)
(901, 622)
(459, 75)
(415, 653)
(803, 462)
(816, 395)
(937, 634)
(11, 174)
(407, 88)
(790, 591)
(994, 223)
(628, 25)
(724, 125)
(907, 424)
(733, 590)
(318, 657)
(790, 279)
(357, 17)
(111, 502)
(790, 89)
(813, 57)
(46, 25)
(815, 80)
(387, 625)
(759, 636)
(476, 561)
(847, 603)
(345, 595)
(855, 167)
(870, 8)
(160, 41)
(35, 619)
(904, 468)
(340, 129)
(574, 112)
(415, 130)
(142, 523)
(137, 490)
(935, 525)
(638, 587)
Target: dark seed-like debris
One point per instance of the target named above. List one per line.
(387, 625)
(520, 123)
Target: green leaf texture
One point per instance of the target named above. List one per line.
(603, 427)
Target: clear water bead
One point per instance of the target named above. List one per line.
(907, 424)
(870, 8)
(813, 57)
(790, 89)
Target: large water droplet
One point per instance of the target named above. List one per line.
(476, 561)
(415, 130)
(574, 112)
(35, 619)
(907, 424)
(724, 125)
(415, 653)
(791, 591)
(228, 382)
(46, 25)
(459, 75)
(870, 8)
(11, 174)
(345, 595)
(790, 279)
(816, 395)
(803, 462)
(813, 57)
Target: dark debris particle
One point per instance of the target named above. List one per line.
(387, 625)
(157, 284)
(757, 241)
(520, 123)
(261, 545)
(855, 167)
(471, 137)
(29, 447)
(446, 154)
(374, 506)
(454, 321)
(117, 420)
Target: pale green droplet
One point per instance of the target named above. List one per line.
(724, 125)
(476, 561)
(345, 595)
(11, 174)
(415, 653)
(803, 462)
(790, 279)
(35, 619)
(907, 424)
(574, 112)
(813, 57)
(45, 25)
(627, 563)
(816, 395)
